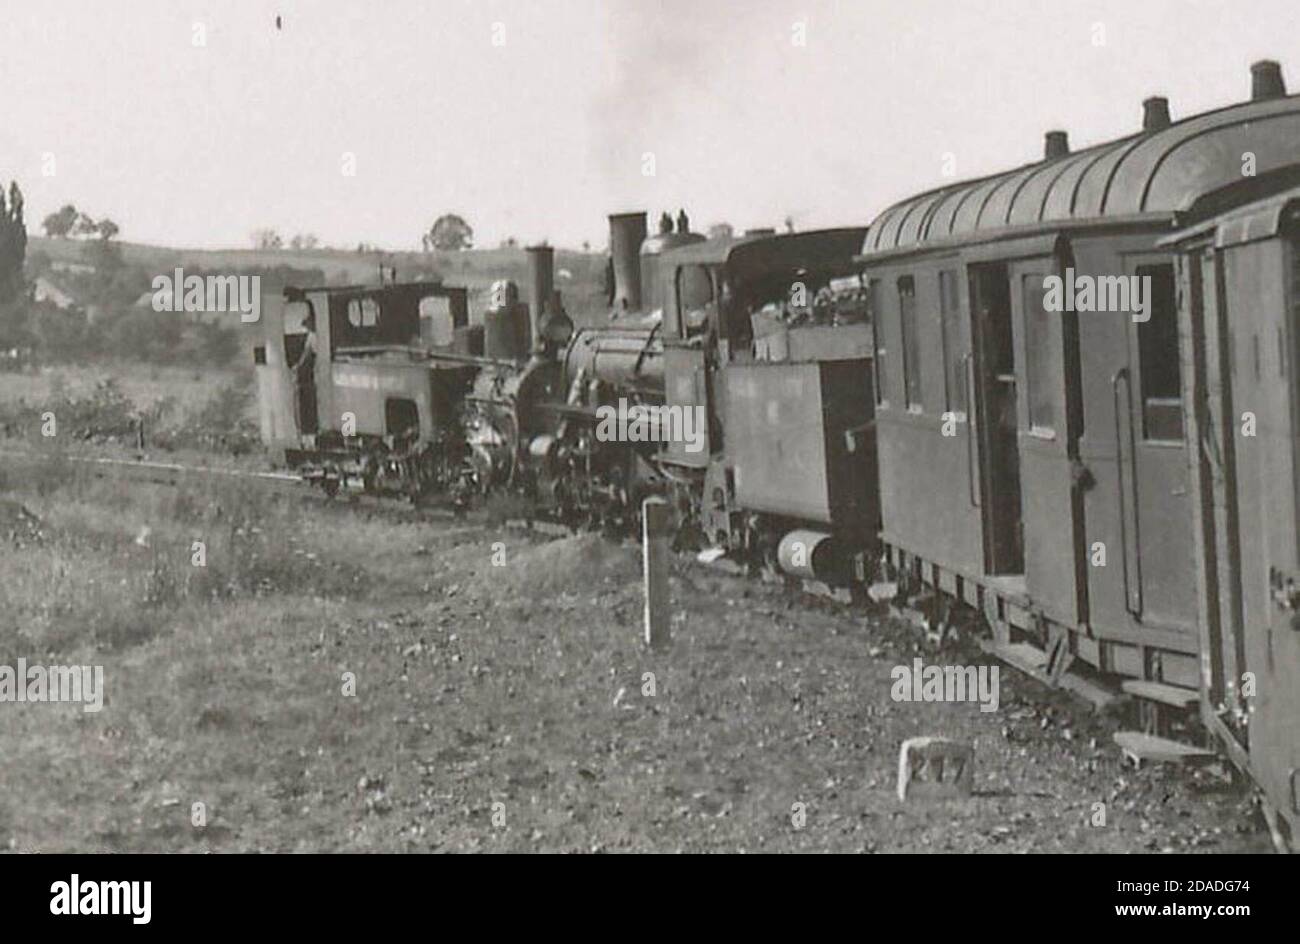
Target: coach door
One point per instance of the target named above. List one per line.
(1216, 475)
(993, 370)
(281, 344)
(1244, 420)
(1152, 452)
(1049, 424)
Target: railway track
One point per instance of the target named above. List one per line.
(175, 473)
(144, 468)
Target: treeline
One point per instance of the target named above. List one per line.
(112, 317)
(42, 333)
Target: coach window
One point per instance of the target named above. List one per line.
(363, 312)
(436, 327)
(1158, 366)
(1039, 378)
(880, 363)
(695, 299)
(911, 344)
(954, 346)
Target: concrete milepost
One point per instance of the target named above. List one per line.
(656, 528)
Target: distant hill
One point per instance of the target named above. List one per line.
(475, 269)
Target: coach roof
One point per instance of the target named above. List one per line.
(1153, 174)
(749, 255)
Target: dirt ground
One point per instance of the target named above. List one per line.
(503, 700)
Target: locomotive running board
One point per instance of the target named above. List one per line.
(1033, 662)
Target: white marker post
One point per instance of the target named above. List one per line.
(656, 525)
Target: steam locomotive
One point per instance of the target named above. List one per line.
(747, 338)
(1111, 489)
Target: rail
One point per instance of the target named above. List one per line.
(151, 466)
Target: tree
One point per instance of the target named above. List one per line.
(721, 231)
(451, 232)
(304, 241)
(108, 229)
(267, 238)
(59, 225)
(85, 226)
(13, 243)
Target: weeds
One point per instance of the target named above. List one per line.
(219, 425)
(115, 567)
(107, 415)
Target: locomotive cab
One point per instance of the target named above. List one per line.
(351, 377)
(756, 339)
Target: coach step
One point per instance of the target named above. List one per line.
(1141, 748)
(1033, 662)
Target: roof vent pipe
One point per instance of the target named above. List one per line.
(1266, 81)
(1155, 113)
(1056, 144)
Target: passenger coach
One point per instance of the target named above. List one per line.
(1046, 466)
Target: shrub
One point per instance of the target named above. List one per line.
(220, 425)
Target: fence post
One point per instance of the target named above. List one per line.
(656, 525)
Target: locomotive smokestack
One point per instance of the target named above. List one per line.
(1056, 144)
(626, 234)
(1155, 113)
(541, 282)
(1266, 81)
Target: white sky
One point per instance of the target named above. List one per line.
(543, 136)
